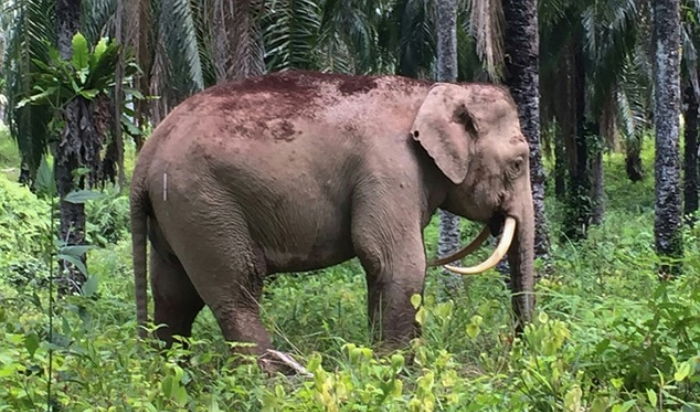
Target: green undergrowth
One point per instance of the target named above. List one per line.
(607, 334)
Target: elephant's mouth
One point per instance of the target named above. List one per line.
(506, 223)
(496, 224)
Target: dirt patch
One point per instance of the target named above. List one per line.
(356, 85)
(281, 82)
(283, 131)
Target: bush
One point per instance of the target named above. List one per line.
(107, 218)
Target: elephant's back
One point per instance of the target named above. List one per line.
(281, 107)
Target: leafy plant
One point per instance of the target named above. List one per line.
(88, 74)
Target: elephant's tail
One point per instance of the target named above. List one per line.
(139, 231)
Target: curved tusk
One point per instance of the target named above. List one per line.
(501, 250)
(485, 233)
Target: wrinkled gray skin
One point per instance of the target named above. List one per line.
(300, 171)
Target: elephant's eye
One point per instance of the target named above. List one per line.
(517, 167)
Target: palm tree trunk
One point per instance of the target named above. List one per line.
(118, 141)
(667, 100)
(523, 79)
(578, 210)
(559, 164)
(138, 36)
(446, 11)
(690, 191)
(66, 160)
(597, 191)
(633, 159)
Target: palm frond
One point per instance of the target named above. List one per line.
(201, 10)
(177, 29)
(551, 12)
(633, 95)
(291, 34)
(468, 63)
(28, 41)
(248, 55)
(486, 25)
(412, 37)
(97, 19)
(610, 29)
(236, 43)
(351, 25)
(690, 57)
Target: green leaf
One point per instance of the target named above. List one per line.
(623, 407)
(90, 286)
(75, 250)
(75, 262)
(80, 52)
(572, 399)
(80, 172)
(134, 92)
(31, 342)
(82, 76)
(130, 127)
(100, 48)
(89, 93)
(617, 383)
(37, 98)
(82, 196)
(682, 372)
(653, 399)
(45, 182)
(416, 301)
(474, 327)
(23, 102)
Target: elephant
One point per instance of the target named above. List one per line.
(296, 171)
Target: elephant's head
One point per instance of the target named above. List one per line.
(472, 133)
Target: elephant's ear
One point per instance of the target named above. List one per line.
(445, 127)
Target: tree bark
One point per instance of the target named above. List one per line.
(118, 142)
(633, 160)
(578, 210)
(690, 189)
(523, 79)
(66, 160)
(598, 175)
(138, 36)
(446, 11)
(667, 100)
(559, 164)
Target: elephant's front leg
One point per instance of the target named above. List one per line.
(392, 254)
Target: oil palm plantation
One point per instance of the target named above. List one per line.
(596, 66)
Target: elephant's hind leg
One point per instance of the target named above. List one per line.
(177, 302)
(228, 271)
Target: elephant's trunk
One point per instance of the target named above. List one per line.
(520, 257)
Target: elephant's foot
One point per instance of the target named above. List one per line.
(273, 361)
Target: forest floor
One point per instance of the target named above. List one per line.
(607, 335)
